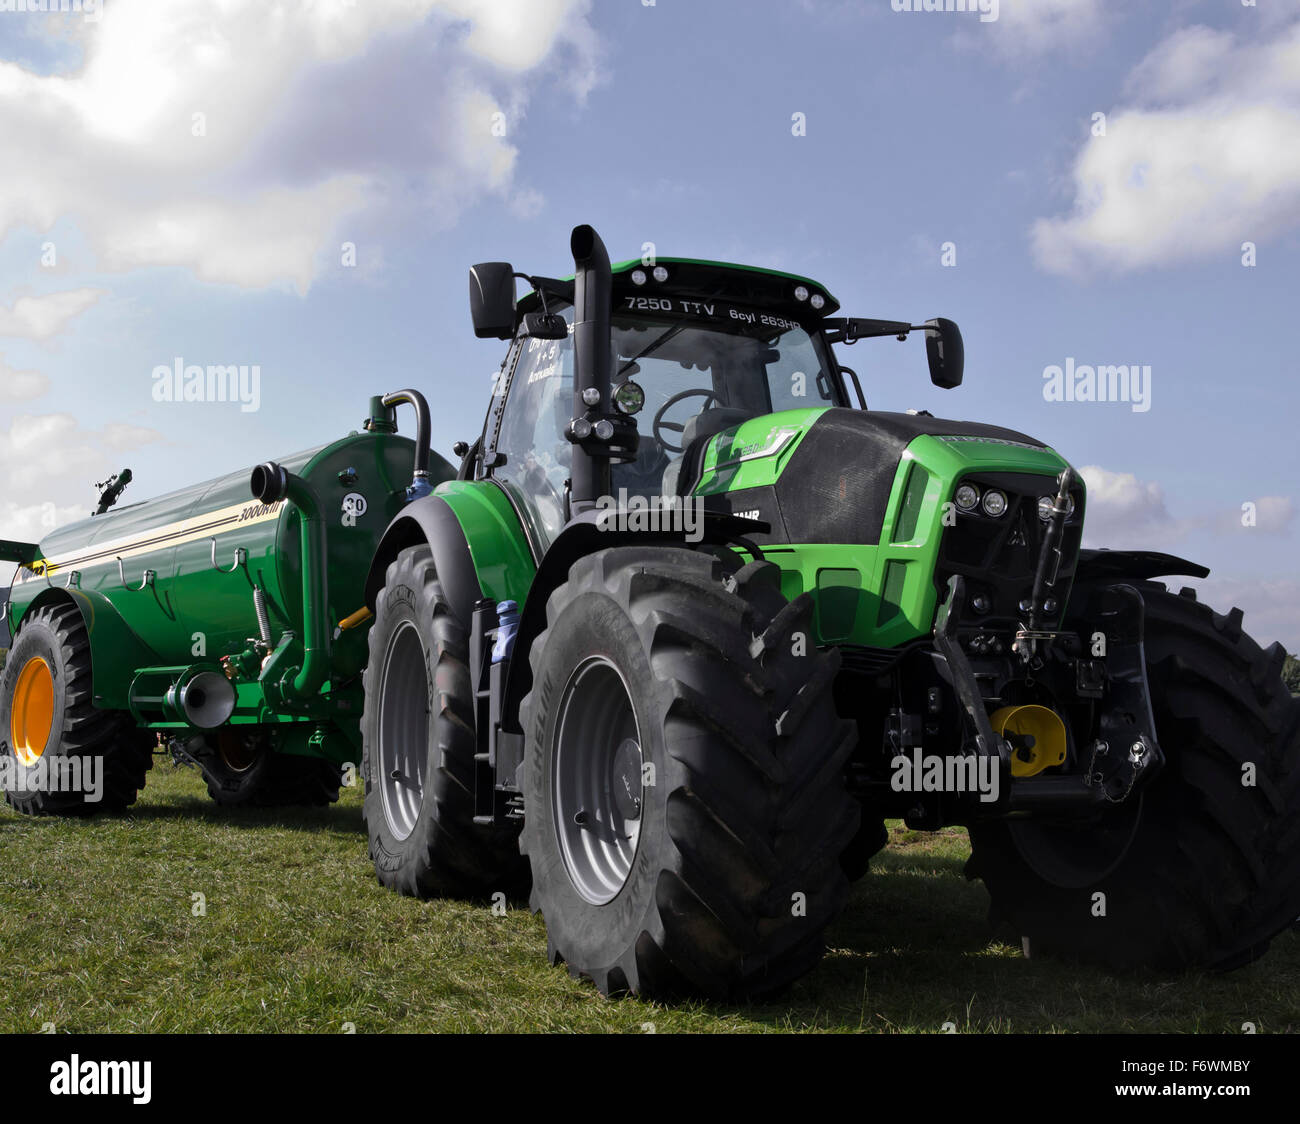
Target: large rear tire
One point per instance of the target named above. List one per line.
(684, 777)
(48, 722)
(419, 746)
(1213, 869)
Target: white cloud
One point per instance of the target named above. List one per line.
(53, 459)
(1123, 511)
(1031, 27)
(1127, 513)
(309, 113)
(21, 386)
(50, 464)
(32, 522)
(1205, 157)
(39, 318)
(1045, 25)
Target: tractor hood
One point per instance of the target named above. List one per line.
(827, 475)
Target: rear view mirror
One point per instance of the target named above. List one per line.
(544, 326)
(492, 300)
(946, 353)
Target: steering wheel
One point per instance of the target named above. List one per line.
(660, 424)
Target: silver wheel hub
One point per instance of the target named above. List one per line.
(597, 789)
(403, 730)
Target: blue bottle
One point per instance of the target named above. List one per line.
(507, 626)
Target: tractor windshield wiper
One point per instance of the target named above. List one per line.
(654, 346)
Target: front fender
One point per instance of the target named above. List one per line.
(479, 547)
(1135, 565)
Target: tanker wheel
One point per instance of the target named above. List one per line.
(61, 748)
(1212, 870)
(686, 810)
(419, 745)
(241, 768)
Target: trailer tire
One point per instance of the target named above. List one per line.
(242, 770)
(419, 745)
(47, 714)
(700, 690)
(1213, 871)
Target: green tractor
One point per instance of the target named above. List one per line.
(687, 624)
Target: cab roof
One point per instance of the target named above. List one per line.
(741, 284)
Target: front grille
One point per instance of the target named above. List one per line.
(998, 556)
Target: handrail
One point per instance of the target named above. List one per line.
(147, 580)
(241, 557)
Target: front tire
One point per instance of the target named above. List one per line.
(48, 718)
(1213, 870)
(419, 745)
(684, 777)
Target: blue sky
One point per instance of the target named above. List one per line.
(218, 240)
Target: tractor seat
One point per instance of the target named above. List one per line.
(683, 474)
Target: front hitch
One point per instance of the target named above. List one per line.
(1125, 753)
(987, 743)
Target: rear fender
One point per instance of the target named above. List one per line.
(116, 652)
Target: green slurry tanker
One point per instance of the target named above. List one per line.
(683, 627)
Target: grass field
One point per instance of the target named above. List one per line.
(98, 932)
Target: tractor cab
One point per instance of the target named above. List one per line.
(696, 348)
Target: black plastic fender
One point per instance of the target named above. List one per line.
(1139, 565)
(430, 520)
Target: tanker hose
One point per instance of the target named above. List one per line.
(272, 483)
(421, 485)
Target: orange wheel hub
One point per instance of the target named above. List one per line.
(31, 718)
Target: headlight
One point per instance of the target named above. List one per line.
(967, 497)
(995, 502)
(1045, 507)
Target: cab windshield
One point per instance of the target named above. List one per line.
(699, 374)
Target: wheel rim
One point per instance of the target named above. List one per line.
(237, 752)
(403, 730)
(597, 790)
(32, 713)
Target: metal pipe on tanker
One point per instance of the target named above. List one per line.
(421, 483)
(271, 483)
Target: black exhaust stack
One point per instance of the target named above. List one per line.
(592, 360)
